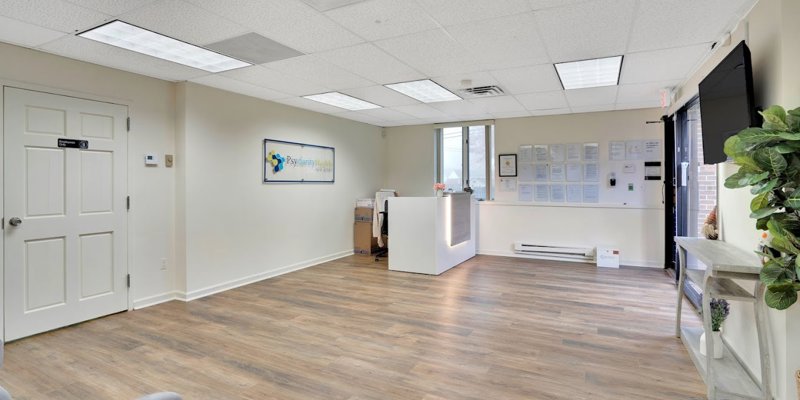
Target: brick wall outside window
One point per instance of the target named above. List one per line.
(706, 182)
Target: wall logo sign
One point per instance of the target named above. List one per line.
(276, 160)
(298, 162)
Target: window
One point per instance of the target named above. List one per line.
(466, 159)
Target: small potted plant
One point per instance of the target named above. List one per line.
(438, 188)
(719, 311)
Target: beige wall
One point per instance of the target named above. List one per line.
(151, 106)
(772, 33)
(238, 229)
(638, 230)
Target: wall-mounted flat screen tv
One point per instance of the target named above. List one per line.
(726, 102)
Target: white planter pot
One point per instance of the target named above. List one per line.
(716, 343)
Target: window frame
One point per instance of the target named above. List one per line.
(489, 156)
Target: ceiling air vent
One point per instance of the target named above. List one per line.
(482, 91)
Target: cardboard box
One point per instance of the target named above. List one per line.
(363, 214)
(363, 242)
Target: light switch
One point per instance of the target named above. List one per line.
(168, 160)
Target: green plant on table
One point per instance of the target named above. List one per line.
(769, 162)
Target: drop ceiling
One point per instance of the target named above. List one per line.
(357, 46)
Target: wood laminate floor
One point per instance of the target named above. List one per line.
(493, 328)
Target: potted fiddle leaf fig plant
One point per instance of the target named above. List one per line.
(769, 162)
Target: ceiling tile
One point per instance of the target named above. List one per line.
(372, 63)
(183, 21)
(453, 12)
(542, 4)
(643, 92)
(291, 23)
(58, 15)
(25, 34)
(310, 105)
(551, 111)
(420, 111)
(325, 5)
(380, 95)
(539, 78)
(498, 104)
(511, 114)
(386, 114)
(504, 42)
(358, 116)
(636, 106)
(591, 109)
(585, 30)
(543, 101)
(98, 53)
(591, 96)
(663, 24)
(232, 85)
(409, 122)
(381, 19)
(458, 107)
(315, 69)
(433, 53)
(112, 7)
(269, 78)
(661, 65)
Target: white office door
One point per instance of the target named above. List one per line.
(65, 211)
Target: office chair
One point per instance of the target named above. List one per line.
(384, 252)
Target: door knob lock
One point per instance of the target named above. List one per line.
(15, 221)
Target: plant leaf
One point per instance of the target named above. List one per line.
(771, 160)
(761, 224)
(764, 187)
(734, 146)
(780, 297)
(774, 273)
(775, 118)
(760, 201)
(793, 201)
(793, 119)
(764, 212)
(779, 232)
(739, 179)
(750, 138)
(793, 136)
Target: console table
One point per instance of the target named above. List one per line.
(727, 377)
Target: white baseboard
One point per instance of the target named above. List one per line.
(196, 294)
(153, 300)
(508, 253)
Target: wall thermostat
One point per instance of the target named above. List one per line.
(150, 159)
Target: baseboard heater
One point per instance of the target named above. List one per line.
(581, 254)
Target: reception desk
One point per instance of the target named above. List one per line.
(429, 235)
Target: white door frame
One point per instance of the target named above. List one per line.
(80, 95)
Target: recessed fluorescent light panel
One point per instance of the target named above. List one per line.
(426, 91)
(590, 73)
(342, 100)
(130, 37)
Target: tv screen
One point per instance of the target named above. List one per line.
(726, 102)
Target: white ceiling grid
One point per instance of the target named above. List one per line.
(357, 46)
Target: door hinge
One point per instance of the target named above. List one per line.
(128, 280)
(128, 124)
(128, 203)
(3, 223)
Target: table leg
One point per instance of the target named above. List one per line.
(711, 385)
(681, 281)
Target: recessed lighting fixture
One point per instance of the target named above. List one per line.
(342, 100)
(426, 91)
(130, 37)
(590, 73)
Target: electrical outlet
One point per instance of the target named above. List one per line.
(163, 264)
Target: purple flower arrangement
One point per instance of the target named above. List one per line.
(719, 311)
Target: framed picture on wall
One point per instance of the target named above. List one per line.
(508, 165)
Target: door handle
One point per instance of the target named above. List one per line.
(15, 221)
